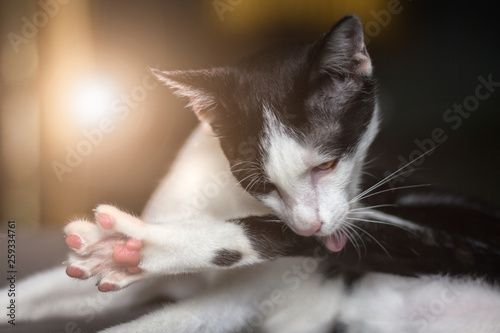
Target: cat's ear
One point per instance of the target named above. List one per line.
(199, 86)
(343, 50)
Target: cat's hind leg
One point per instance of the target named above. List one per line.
(222, 309)
(52, 294)
(278, 296)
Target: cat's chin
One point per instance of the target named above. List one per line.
(336, 241)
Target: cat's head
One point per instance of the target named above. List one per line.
(295, 122)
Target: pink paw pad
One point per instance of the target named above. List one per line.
(75, 272)
(106, 249)
(105, 287)
(105, 220)
(128, 255)
(74, 241)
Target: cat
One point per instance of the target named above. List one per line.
(260, 227)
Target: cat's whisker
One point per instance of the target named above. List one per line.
(246, 163)
(252, 183)
(275, 221)
(284, 227)
(373, 238)
(377, 185)
(245, 166)
(351, 235)
(242, 166)
(369, 174)
(257, 180)
(368, 163)
(380, 222)
(391, 176)
(249, 169)
(245, 178)
(245, 170)
(349, 225)
(362, 208)
(250, 179)
(394, 189)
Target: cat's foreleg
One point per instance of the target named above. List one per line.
(120, 249)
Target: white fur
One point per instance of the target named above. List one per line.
(289, 166)
(387, 304)
(308, 197)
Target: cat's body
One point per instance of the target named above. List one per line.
(225, 224)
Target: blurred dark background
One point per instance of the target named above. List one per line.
(82, 121)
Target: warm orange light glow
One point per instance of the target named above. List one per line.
(90, 100)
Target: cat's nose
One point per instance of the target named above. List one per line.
(311, 230)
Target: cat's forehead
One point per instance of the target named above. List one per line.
(280, 82)
(331, 125)
(274, 77)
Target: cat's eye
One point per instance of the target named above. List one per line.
(327, 165)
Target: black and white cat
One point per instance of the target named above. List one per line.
(269, 210)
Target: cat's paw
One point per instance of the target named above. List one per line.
(109, 249)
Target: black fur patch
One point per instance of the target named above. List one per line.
(386, 248)
(226, 258)
(272, 240)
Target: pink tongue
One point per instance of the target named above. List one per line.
(336, 242)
